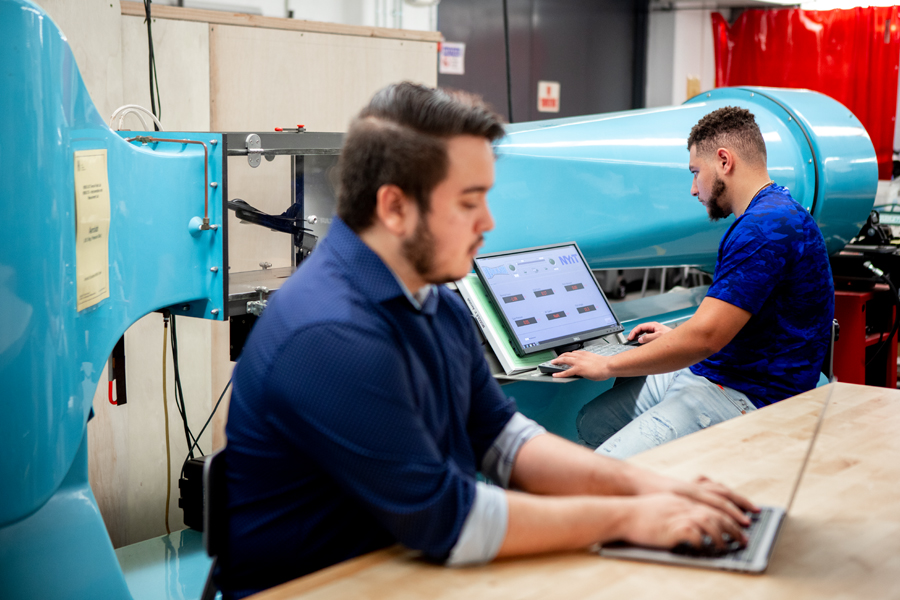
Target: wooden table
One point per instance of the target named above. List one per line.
(840, 540)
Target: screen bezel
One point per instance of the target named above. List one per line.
(556, 342)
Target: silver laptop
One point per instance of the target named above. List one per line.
(762, 534)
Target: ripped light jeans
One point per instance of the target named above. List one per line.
(644, 412)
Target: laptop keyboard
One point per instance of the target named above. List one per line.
(599, 350)
(732, 551)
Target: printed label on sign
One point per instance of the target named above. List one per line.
(548, 96)
(91, 227)
(453, 59)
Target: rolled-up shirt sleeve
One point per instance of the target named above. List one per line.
(498, 461)
(485, 526)
(484, 529)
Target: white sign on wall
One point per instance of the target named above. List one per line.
(548, 96)
(453, 59)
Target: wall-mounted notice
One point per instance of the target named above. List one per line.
(453, 59)
(548, 96)
(91, 227)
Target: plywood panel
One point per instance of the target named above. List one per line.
(127, 443)
(245, 20)
(261, 79)
(182, 68)
(92, 29)
(126, 446)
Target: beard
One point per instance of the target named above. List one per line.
(713, 206)
(419, 250)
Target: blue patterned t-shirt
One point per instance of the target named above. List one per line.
(773, 263)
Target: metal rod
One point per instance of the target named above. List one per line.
(509, 103)
(146, 140)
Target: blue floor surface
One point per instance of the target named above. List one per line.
(170, 567)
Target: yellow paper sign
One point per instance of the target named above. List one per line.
(91, 227)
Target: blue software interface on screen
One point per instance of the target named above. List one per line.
(546, 294)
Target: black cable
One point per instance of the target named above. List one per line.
(896, 297)
(179, 392)
(155, 103)
(508, 74)
(205, 425)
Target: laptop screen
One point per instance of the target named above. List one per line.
(546, 297)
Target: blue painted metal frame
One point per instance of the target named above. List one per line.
(52, 355)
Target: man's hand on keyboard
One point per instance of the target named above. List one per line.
(666, 519)
(583, 364)
(705, 491)
(647, 332)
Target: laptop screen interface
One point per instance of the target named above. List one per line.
(547, 296)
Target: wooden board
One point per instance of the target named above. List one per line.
(181, 49)
(136, 9)
(127, 443)
(261, 79)
(265, 78)
(840, 540)
(92, 30)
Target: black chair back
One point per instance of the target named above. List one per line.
(215, 517)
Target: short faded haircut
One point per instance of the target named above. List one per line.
(400, 138)
(730, 127)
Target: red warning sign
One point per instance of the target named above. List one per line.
(548, 96)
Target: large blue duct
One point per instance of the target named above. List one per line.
(619, 184)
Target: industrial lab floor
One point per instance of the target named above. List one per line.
(169, 567)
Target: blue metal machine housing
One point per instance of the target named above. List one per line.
(619, 184)
(51, 354)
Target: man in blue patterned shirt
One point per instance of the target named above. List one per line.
(363, 408)
(758, 337)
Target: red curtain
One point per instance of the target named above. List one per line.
(850, 55)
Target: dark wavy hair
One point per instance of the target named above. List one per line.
(729, 127)
(400, 138)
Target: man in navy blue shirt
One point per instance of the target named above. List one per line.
(363, 408)
(758, 337)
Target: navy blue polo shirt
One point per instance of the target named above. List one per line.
(356, 420)
(773, 263)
